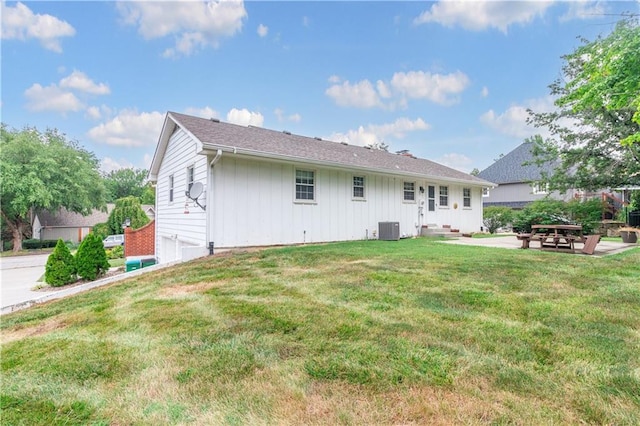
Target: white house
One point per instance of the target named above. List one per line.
(263, 187)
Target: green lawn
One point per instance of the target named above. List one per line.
(408, 332)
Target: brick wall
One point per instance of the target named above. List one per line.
(140, 242)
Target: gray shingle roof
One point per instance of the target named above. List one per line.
(270, 143)
(64, 218)
(511, 168)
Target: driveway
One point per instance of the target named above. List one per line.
(19, 275)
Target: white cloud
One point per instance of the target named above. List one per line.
(51, 98)
(108, 164)
(129, 129)
(359, 95)
(263, 30)
(456, 161)
(63, 97)
(513, 121)
(583, 9)
(485, 92)
(20, 23)
(306, 21)
(438, 88)
(376, 133)
(78, 80)
(206, 112)
(279, 113)
(245, 117)
(479, 15)
(194, 24)
(97, 113)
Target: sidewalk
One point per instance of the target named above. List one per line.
(36, 297)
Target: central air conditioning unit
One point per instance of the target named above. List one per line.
(389, 231)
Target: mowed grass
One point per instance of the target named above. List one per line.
(371, 332)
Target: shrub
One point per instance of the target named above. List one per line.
(541, 212)
(127, 208)
(34, 244)
(552, 212)
(496, 217)
(587, 213)
(101, 230)
(91, 259)
(61, 267)
(116, 252)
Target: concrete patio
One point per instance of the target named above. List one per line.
(604, 248)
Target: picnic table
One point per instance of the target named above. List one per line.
(557, 237)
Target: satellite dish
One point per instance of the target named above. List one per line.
(195, 191)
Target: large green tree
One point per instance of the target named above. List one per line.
(596, 125)
(124, 183)
(127, 208)
(44, 171)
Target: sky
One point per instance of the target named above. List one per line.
(450, 81)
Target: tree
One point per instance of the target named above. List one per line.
(61, 266)
(91, 258)
(596, 122)
(124, 183)
(495, 217)
(127, 208)
(44, 171)
(608, 75)
(149, 194)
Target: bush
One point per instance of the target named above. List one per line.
(91, 259)
(101, 230)
(496, 217)
(34, 244)
(116, 252)
(587, 213)
(127, 208)
(552, 212)
(61, 267)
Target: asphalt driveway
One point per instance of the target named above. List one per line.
(19, 274)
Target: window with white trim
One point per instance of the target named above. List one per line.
(305, 185)
(466, 197)
(190, 176)
(444, 196)
(358, 187)
(409, 191)
(171, 188)
(540, 188)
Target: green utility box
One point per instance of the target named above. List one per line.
(149, 261)
(132, 265)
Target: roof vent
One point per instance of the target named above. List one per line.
(215, 120)
(343, 143)
(367, 147)
(286, 132)
(317, 138)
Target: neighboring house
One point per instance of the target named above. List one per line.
(519, 180)
(68, 226)
(149, 210)
(263, 187)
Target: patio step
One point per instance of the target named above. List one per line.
(438, 232)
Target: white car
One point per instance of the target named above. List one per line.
(113, 241)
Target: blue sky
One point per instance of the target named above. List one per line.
(449, 81)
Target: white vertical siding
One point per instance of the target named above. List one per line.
(174, 228)
(254, 205)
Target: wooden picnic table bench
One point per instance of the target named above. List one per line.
(557, 237)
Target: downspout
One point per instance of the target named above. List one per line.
(210, 201)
